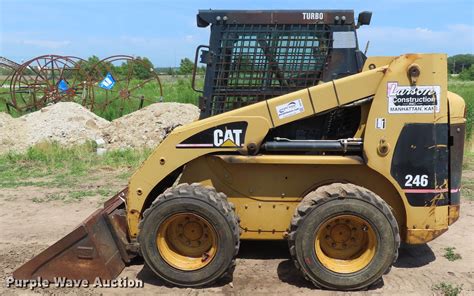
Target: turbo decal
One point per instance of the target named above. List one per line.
(413, 99)
(229, 135)
(313, 16)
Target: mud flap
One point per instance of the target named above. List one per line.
(96, 248)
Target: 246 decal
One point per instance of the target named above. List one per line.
(416, 180)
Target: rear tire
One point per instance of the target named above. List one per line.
(343, 237)
(190, 236)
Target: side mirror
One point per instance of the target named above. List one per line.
(364, 18)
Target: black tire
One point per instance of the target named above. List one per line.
(325, 204)
(208, 204)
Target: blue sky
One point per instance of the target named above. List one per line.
(166, 31)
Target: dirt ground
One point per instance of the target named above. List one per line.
(28, 227)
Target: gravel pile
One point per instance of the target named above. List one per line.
(70, 124)
(67, 123)
(12, 134)
(147, 127)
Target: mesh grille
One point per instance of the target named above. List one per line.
(258, 62)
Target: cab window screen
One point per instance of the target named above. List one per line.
(258, 62)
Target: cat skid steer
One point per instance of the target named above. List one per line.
(290, 167)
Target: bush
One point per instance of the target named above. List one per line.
(467, 74)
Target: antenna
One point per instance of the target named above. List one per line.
(366, 47)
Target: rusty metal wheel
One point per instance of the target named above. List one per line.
(46, 80)
(8, 68)
(122, 84)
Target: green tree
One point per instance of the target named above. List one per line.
(86, 67)
(171, 71)
(201, 70)
(467, 74)
(142, 68)
(185, 66)
(459, 62)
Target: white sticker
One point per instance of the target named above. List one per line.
(313, 15)
(344, 40)
(380, 123)
(416, 180)
(290, 109)
(413, 99)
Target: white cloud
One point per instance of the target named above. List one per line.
(423, 30)
(452, 39)
(49, 44)
(28, 40)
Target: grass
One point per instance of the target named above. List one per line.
(468, 163)
(74, 196)
(447, 289)
(468, 188)
(466, 90)
(49, 164)
(468, 182)
(451, 255)
(177, 89)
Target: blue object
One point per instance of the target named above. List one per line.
(108, 82)
(63, 85)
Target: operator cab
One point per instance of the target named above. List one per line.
(257, 55)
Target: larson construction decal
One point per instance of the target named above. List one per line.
(413, 99)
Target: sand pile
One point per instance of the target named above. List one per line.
(147, 127)
(12, 133)
(67, 123)
(70, 124)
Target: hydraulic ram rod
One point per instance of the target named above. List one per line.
(344, 145)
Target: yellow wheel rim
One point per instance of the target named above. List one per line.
(187, 241)
(345, 244)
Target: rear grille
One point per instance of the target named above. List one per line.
(456, 151)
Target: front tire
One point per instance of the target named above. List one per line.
(190, 236)
(343, 237)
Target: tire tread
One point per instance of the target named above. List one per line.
(210, 195)
(330, 192)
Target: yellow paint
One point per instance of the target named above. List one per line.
(250, 180)
(228, 143)
(345, 244)
(187, 241)
(267, 189)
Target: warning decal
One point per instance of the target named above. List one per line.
(413, 99)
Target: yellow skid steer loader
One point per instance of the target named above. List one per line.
(343, 204)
